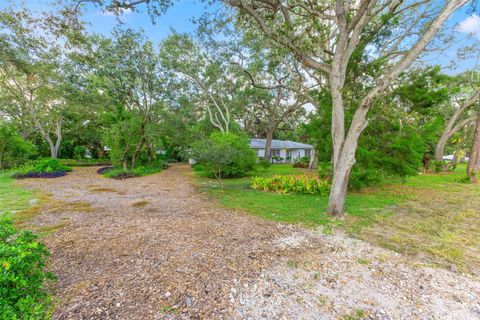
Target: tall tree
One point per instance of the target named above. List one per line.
(32, 80)
(132, 76)
(210, 74)
(333, 37)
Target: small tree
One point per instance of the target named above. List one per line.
(224, 155)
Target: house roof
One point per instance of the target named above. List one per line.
(279, 144)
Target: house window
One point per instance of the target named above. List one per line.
(289, 154)
(275, 153)
(307, 153)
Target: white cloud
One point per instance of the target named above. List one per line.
(470, 25)
(120, 12)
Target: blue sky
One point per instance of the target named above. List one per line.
(179, 17)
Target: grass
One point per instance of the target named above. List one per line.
(13, 198)
(304, 209)
(434, 216)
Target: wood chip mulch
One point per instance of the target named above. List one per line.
(177, 256)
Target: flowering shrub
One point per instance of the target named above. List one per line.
(301, 184)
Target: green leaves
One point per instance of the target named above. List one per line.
(224, 155)
(297, 184)
(23, 277)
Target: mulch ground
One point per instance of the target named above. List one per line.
(151, 247)
(154, 248)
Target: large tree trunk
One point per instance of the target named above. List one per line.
(53, 150)
(149, 153)
(268, 144)
(473, 167)
(341, 171)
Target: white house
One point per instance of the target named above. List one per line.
(282, 151)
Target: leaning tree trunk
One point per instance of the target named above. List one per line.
(451, 128)
(473, 167)
(447, 134)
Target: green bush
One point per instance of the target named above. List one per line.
(46, 166)
(140, 171)
(14, 150)
(292, 184)
(224, 155)
(84, 162)
(79, 152)
(264, 163)
(23, 277)
(302, 162)
(437, 166)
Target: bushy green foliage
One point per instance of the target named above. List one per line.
(302, 162)
(43, 166)
(84, 162)
(23, 277)
(264, 163)
(79, 152)
(298, 184)
(437, 166)
(224, 155)
(122, 138)
(14, 150)
(50, 165)
(120, 173)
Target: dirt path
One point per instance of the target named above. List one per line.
(153, 248)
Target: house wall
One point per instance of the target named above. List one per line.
(295, 154)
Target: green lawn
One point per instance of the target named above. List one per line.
(308, 210)
(13, 198)
(430, 215)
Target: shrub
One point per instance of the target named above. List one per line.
(14, 150)
(84, 162)
(23, 278)
(79, 152)
(437, 166)
(302, 184)
(224, 155)
(264, 163)
(120, 173)
(46, 168)
(49, 165)
(302, 162)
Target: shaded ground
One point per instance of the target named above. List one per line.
(153, 248)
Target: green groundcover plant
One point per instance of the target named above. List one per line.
(298, 184)
(140, 171)
(43, 166)
(23, 278)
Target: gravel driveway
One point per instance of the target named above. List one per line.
(153, 248)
